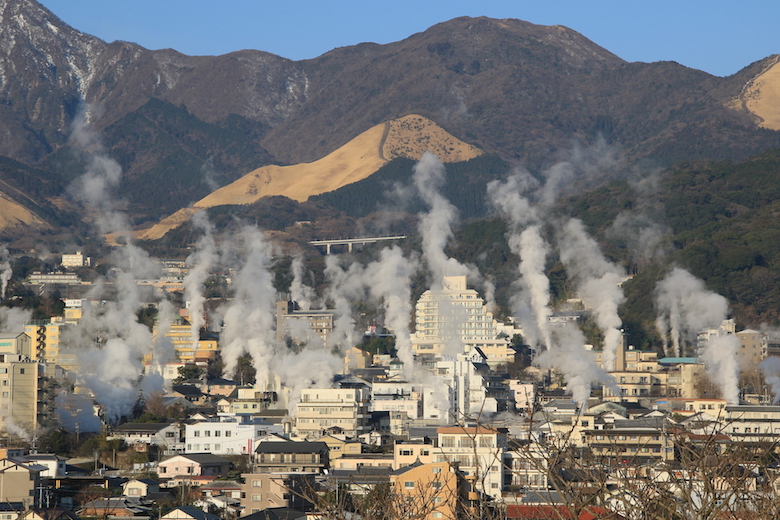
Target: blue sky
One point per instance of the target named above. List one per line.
(719, 37)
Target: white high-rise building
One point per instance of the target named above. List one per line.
(454, 320)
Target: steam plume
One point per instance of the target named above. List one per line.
(5, 270)
(687, 307)
(436, 225)
(202, 262)
(598, 283)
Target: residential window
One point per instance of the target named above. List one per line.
(228, 433)
(196, 433)
(257, 498)
(257, 483)
(485, 442)
(448, 442)
(207, 433)
(217, 433)
(409, 484)
(406, 453)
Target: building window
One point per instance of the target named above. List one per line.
(196, 433)
(406, 453)
(466, 442)
(485, 442)
(409, 484)
(448, 442)
(257, 483)
(257, 498)
(228, 433)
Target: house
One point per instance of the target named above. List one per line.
(287, 456)
(193, 464)
(18, 483)
(261, 491)
(339, 447)
(55, 465)
(116, 507)
(220, 386)
(55, 513)
(276, 513)
(229, 488)
(188, 513)
(141, 487)
(168, 435)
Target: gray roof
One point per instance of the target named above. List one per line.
(201, 458)
(194, 512)
(292, 447)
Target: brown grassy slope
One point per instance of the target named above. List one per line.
(13, 214)
(761, 96)
(410, 136)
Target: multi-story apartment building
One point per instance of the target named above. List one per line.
(308, 326)
(188, 348)
(46, 339)
(397, 396)
(478, 452)
(753, 347)
(76, 259)
(431, 491)
(323, 408)
(454, 319)
(473, 390)
(632, 440)
(26, 385)
(227, 435)
(752, 423)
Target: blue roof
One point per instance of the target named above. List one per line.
(678, 360)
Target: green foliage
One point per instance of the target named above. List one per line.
(187, 373)
(465, 187)
(377, 345)
(57, 440)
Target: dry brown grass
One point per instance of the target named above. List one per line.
(410, 136)
(762, 97)
(13, 214)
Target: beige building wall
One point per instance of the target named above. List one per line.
(18, 483)
(322, 408)
(753, 347)
(265, 490)
(430, 491)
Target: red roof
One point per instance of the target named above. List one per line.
(556, 512)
